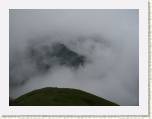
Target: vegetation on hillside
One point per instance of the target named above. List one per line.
(60, 97)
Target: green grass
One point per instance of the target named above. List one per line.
(60, 97)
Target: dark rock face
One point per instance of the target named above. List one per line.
(47, 56)
(41, 58)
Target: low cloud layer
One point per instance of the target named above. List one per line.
(108, 39)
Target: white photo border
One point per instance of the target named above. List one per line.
(141, 5)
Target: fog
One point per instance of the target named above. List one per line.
(107, 38)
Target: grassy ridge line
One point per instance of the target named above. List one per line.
(60, 97)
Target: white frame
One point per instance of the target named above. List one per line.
(142, 109)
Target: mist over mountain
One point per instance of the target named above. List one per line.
(91, 50)
(43, 58)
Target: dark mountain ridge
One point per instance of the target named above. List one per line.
(60, 97)
(41, 58)
(47, 56)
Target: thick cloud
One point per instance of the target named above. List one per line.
(108, 39)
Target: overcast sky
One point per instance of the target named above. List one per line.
(108, 38)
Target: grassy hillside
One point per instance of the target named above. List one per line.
(60, 97)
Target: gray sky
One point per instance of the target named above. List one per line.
(110, 42)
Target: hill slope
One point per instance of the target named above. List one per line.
(60, 97)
